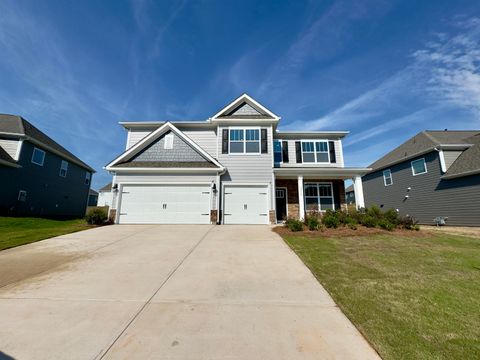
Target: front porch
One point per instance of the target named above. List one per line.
(299, 191)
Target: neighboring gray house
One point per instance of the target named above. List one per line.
(38, 177)
(234, 168)
(434, 174)
(92, 198)
(350, 195)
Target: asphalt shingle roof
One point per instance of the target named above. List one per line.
(5, 156)
(165, 164)
(469, 160)
(14, 124)
(107, 187)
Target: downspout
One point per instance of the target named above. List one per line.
(443, 166)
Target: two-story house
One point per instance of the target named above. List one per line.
(433, 175)
(39, 177)
(234, 168)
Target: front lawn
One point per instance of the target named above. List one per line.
(20, 231)
(412, 296)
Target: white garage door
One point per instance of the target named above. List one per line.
(165, 204)
(246, 205)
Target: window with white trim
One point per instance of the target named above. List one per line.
(315, 151)
(387, 177)
(63, 169)
(277, 152)
(318, 197)
(38, 156)
(244, 141)
(419, 167)
(168, 144)
(88, 177)
(22, 196)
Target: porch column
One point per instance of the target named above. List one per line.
(358, 188)
(301, 201)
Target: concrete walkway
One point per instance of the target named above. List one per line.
(168, 292)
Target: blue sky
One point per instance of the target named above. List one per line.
(384, 70)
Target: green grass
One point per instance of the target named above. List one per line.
(20, 231)
(412, 297)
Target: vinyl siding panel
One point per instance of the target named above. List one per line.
(429, 197)
(135, 136)
(247, 167)
(10, 146)
(293, 158)
(450, 157)
(206, 139)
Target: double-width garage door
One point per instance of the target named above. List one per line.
(246, 204)
(165, 204)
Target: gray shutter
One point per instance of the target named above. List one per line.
(298, 151)
(264, 143)
(331, 148)
(225, 141)
(285, 151)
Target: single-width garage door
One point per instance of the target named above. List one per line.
(246, 205)
(165, 204)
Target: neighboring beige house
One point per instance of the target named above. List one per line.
(105, 195)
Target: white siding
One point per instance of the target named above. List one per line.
(10, 146)
(450, 157)
(292, 157)
(134, 136)
(104, 198)
(247, 167)
(206, 139)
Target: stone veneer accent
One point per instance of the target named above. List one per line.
(272, 217)
(112, 215)
(213, 216)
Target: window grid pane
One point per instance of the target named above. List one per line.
(419, 166)
(318, 197)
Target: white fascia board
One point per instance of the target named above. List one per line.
(310, 134)
(322, 172)
(242, 98)
(150, 124)
(165, 170)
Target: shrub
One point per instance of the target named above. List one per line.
(369, 221)
(330, 220)
(391, 216)
(407, 222)
(386, 225)
(294, 224)
(374, 211)
(96, 216)
(352, 226)
(312, 222)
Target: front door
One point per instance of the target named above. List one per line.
(281, 203)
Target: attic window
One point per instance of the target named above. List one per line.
(168, 141)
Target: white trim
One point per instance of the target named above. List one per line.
(301, 198)
(315, 141)
(168, 144)
(443, 166)
(245, 128)
(19, 150)
(385, 179)
(128, 140)
(340, 151)
(152, 137)
(33, 155)
(318, 194)
(358, 188)
(424, 162)
(245, 98)
(165, 170)
(61, 168)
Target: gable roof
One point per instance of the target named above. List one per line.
(92, 192)
(468, 163)
(245, 107)
(423, 143)
(122, 160)
(349, 189)
(14, 125)
(6, 159)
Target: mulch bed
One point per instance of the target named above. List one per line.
(347, 232)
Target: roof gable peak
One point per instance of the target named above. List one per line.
(245, 107)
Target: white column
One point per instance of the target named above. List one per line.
(301, 201)
(358, 188)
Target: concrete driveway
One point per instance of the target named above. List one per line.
(168, 292)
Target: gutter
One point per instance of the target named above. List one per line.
(462, 174)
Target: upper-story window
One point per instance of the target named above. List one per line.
(277, 151)
(88, 177)
(387, 177)
(63, 169)
(419, 167)
(315, 151)
(244, 141)
(38, 156)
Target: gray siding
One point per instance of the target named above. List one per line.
(293, 157)
(180, 152)
(450, 157)
(10, 146)
(134, 136)
(205, 138)
(247, 167)
(245, 109)
(48, 194)
(429, 196)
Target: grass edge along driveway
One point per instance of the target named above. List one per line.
(25, 230)
(412, 297)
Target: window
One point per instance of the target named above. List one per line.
(387, 177)
(318, 197)
(63, 169)
(419, 167)
(277, 151)
(168, 141)
(22, 196)
(315, 151)
(88, 176)
(244, 141)
(38, 156)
